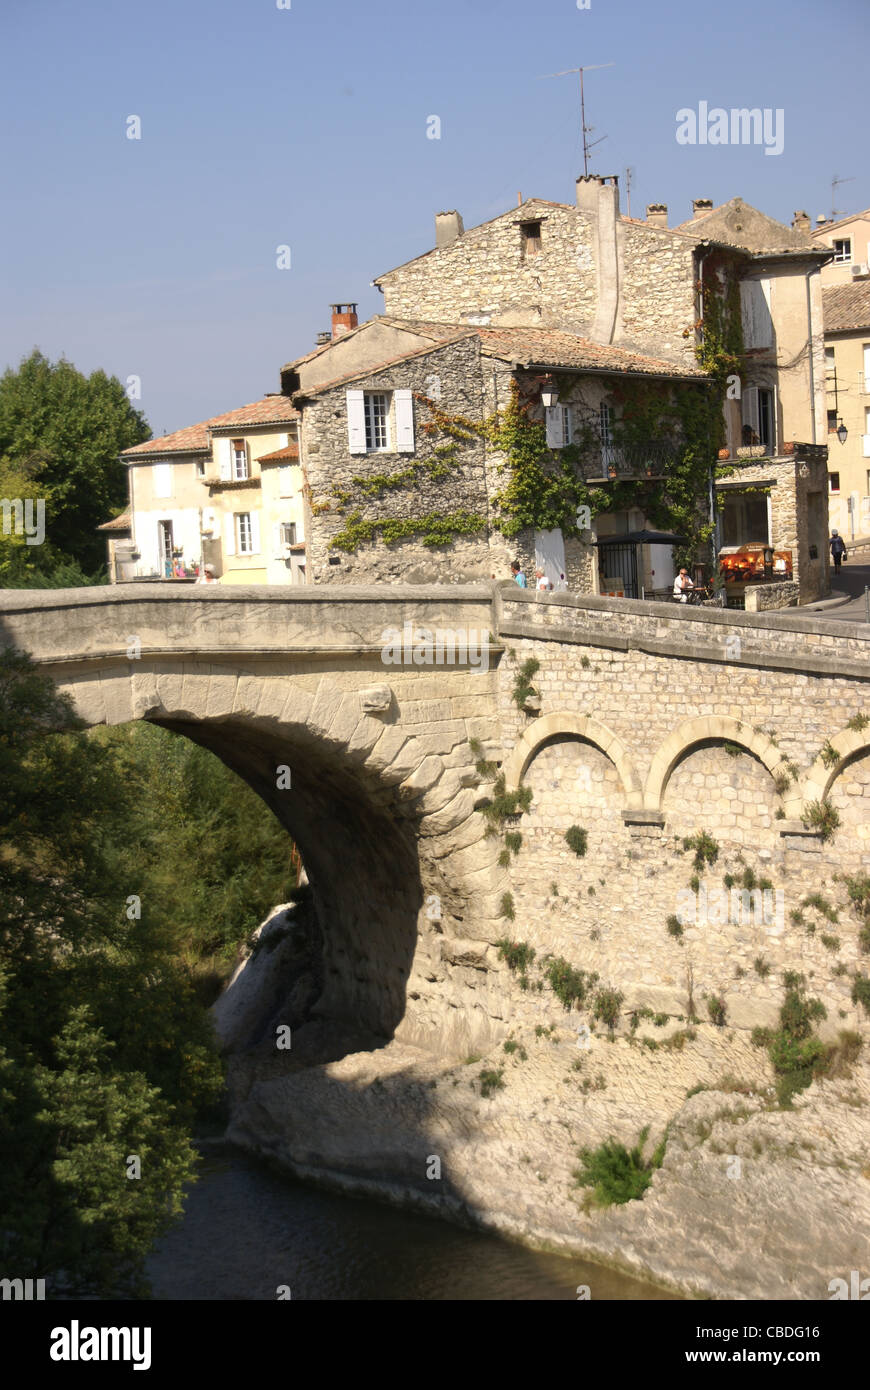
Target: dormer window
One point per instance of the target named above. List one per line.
(843, 251)
(240, 459)
(530, 239)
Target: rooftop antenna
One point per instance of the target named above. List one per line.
(628, 173)
(835, 183)
(585, 129)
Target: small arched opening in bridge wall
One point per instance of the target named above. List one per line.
(845, 784)
(710, 730)
(565, 725)
(387, 832)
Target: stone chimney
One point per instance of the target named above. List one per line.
(595, 193)
(821, 220)
(701, 206)
(657, 215)
(448, 226)
(323, 338)
(343, 319)
(801, 222)
(598, 198)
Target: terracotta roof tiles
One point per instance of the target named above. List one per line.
(846, 307)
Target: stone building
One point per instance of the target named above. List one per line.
(583, 296)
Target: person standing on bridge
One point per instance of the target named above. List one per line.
(208, 576)
(517, 574)
(838, 550)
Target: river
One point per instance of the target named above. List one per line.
(248, 1230)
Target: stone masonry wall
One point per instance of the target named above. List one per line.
(454, 371)
(608, 910)
(483, 278)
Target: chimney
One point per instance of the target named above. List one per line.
(701, 206)
(821, 220)
(801, 222)
(323, 338)
(596, 192)
(343, 319)
(448, 226)
(657, 215)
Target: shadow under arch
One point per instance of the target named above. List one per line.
(582, 726)
(705, 729)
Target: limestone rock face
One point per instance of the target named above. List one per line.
(276, 982)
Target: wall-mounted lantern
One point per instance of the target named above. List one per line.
(549, 393)
(842, 432)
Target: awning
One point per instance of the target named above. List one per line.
(644, 538)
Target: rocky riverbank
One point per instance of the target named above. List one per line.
(751, 1201)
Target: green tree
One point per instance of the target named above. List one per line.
(106, 1051)
(67, 431)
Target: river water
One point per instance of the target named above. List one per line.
(248, 1230)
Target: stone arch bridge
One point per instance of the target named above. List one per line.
(360, 729)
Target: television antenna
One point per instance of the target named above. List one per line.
(629, 173)
(585, 129)
(835, 183)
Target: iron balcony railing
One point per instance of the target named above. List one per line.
(648, 459)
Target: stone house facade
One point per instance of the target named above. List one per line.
(596, 299)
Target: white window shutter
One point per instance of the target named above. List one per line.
(163, 480)
(356, 422)
(774, 421)
(749, 408)
(255, 533)
(404, 422)
(553, 418)
(225, 450)
(276, 538)
(230, 534)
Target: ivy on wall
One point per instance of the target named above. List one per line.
(543, 488)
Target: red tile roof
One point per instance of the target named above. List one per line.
(194, 439)
(846, 307)
(270, 410)
(280, 455)
(551, 347)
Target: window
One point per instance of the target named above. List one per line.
(200, 468)
(605, 423)
(165, 544)
(744, 519)
(377, 415)
(240, 459)
(843, 251)
(832, 422)
(560, 427)
(244, 534)
(759, 417)
(288, 532)
(833, 482)
(530, 239)
(163, 480)
(868, 482)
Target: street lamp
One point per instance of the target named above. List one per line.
(549, 393)
(842, 432)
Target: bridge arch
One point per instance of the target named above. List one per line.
(385, 827)
(848, 744)
(565, 724)
(705, 729)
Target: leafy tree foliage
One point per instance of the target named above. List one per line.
(106, 1049)
(66, 431)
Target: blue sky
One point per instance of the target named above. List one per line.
(307, 126)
